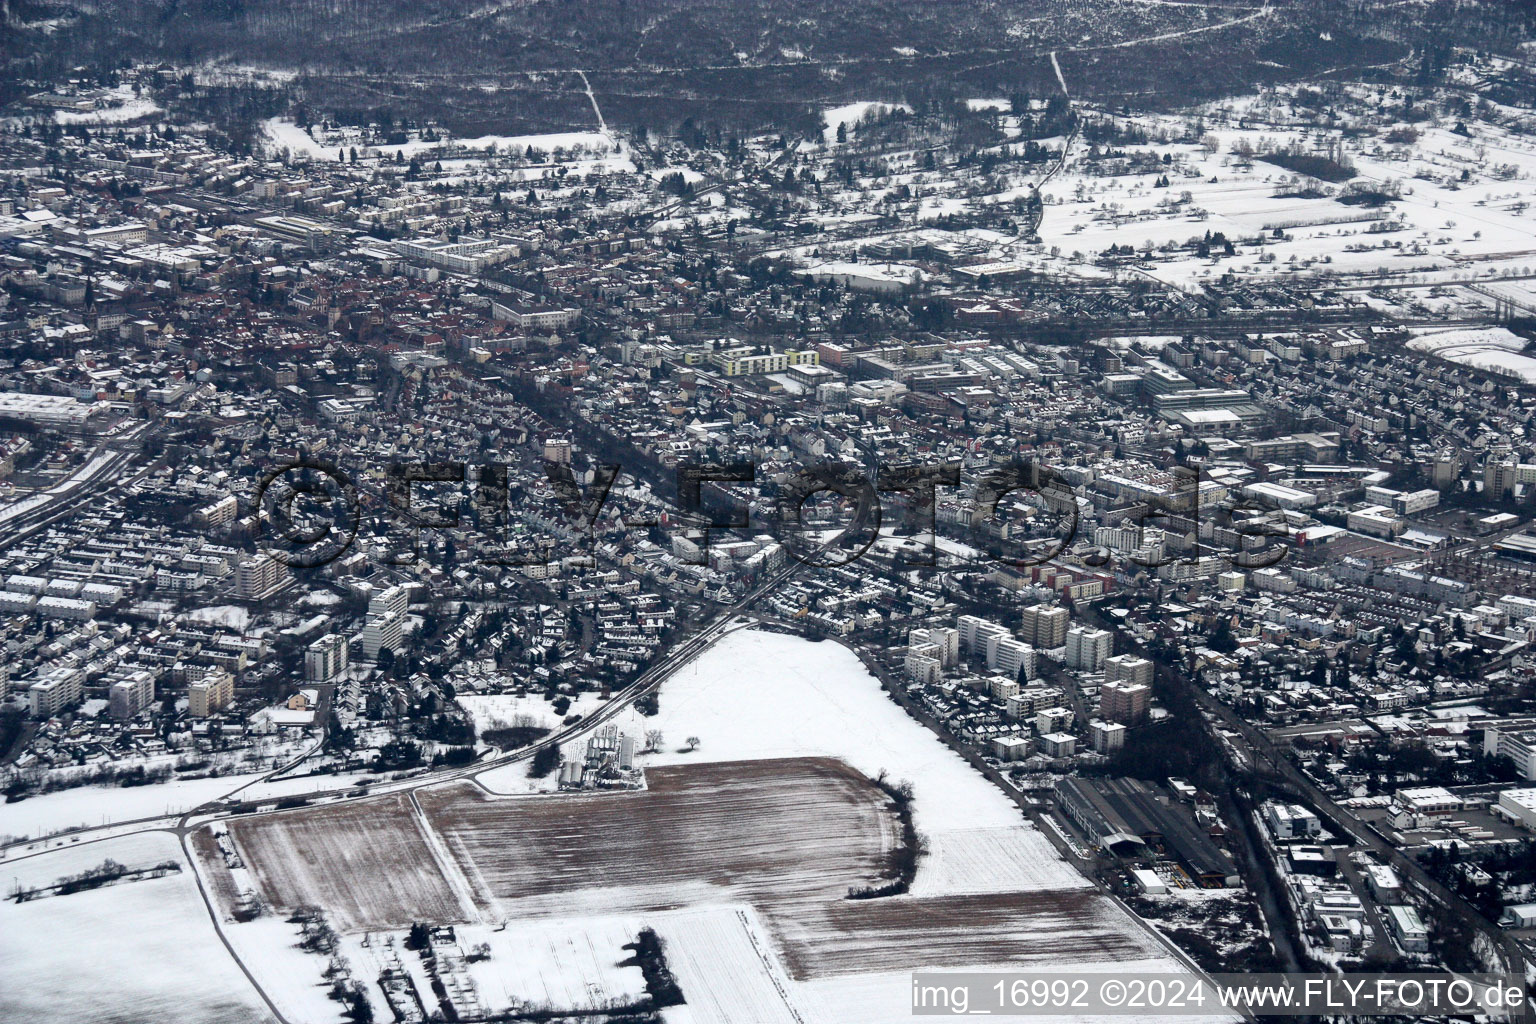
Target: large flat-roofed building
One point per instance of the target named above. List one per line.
(1519, 805)
(1432, 801)
(1291, 821)
(128, 696)
(741, 359)
(1280, 496)
(1409, 929)
(1160, 380)
(210, 694)
(56, 689)
(1514, 738)
(534, 316)
(1127, 816)
(1377, 520)
(1294, 448)
(326, 658)
(1126, 703)
(1517, 545)
(308, 232)
(52, 412)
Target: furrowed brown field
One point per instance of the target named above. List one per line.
(366, 863)
(1020, 929)
(788, 837)
(777, 834)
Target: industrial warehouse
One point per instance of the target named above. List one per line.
(1134, 820)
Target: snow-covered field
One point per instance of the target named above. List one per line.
(121, 105)
(761, 695)
(99, 805)
(1487, 348)
(505, 710)
(134, 951)
(230, 616)
(725, 966)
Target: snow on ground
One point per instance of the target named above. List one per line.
(283, 133)
(851, 113)
(100, 805)
(513, 779)
(570, 963)
(134, 951)
(1489, 348)
(91, 467)
(546, 144)
(725, 966)
(291, 977)
(983, 860)
(690, 175)
(230, 616)
(720, 956)
(304, 785)
(885, 277)
(287, 135)
(986, 104)
(505, 710)
(882, 998)
(757, 695)
(123, 105)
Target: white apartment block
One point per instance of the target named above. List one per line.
(1005, 654)
(56, 688)
(326, 658)
(384, 628)
(1057, 719)
(1107, 737)
(1128, 668)
(259, 578)
(1087, 648)
(922, 664)
(1044, 627)
(130, 695)
(1515, 739)
(210, 694)
(945, 639)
